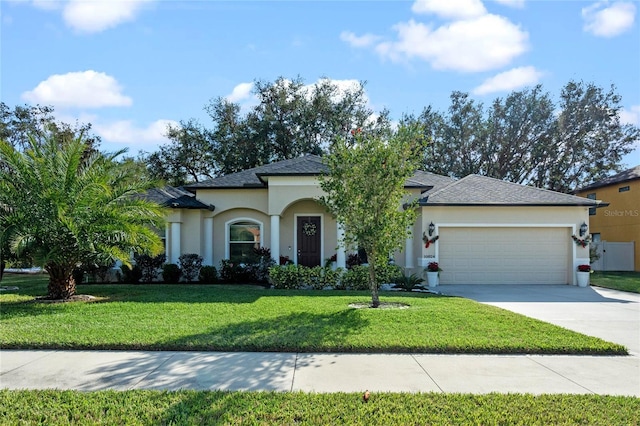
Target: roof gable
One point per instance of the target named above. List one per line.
(308, 165)
(485, 191)
(627, 175)
(177, 198)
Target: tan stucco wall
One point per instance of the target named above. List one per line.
(570, 217)
(285, 190)
(620, 220)
(227, 199)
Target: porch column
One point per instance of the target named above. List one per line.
(167, 240)
(208, 241)
(341, 258)
(408, 250)
(275, 238)
(175, 242)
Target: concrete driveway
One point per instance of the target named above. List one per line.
(609, 314)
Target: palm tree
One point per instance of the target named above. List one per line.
(66, 205)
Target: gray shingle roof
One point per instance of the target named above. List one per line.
(308, 165)
(627, 175)
(485, 191)
(176, 198)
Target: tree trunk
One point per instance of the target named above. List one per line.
(61, 283)
(373, 285)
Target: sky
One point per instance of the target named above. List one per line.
(131, 67)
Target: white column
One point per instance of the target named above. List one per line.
(208, 241)
(167, 241)
(175, 242)
(341, 258)
(408, 251)
(275, 238)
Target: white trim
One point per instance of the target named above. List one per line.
(240, 219)
(275, 238)
(295, 235)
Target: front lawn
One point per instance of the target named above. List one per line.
(216, 407)
(247, 318)
(625, 281)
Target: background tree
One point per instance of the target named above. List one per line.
(17, 124)
(528, 139)
(67, 209)
(187, 158)
(290, 119)
(365, 191)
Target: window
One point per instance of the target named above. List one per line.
(244, 236)
(623, 188)
(592, 210)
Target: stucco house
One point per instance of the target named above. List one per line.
(489, 231)
(619, 222)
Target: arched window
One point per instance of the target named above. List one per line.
(244, 236)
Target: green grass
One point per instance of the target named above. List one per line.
(625, 281)
(234, 408)
(198, 317)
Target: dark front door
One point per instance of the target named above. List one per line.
(309, 234)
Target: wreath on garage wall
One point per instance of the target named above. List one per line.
(582, 242)
(428, 241)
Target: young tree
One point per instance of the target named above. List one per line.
(365, 191)
(67, 208)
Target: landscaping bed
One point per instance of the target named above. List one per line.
(140, 407)
(250, 318)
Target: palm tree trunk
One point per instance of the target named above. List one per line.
(61, 283)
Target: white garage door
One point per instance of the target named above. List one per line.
(504, 255)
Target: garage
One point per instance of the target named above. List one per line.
(504, 255)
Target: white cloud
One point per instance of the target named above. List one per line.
(603, 20)
(83, 89)
(364, 40)
(125, 132)
(518, 4)
(241, 92)
(631, 115)
(509, 80)
(92, 16)
(479, 44)
(450, 9)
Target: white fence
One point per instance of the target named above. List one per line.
(614, 256)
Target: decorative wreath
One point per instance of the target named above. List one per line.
(582, 242)
(309, 229)
(428, 241)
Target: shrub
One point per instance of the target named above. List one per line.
(190, 264)
(408, 283)
(171, 273)
(284, 260)
(78, 274)
(288, 277)
(236, 273)
(208, 275)
(131, 275)
(260, 269)
(353, 260)
(356, 278)
(149, 266)
(331, 278)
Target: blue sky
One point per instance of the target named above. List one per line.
(132, 67)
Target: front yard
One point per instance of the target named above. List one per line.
(247, 318)
(280, 408)
(625, 281)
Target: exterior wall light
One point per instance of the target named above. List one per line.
(432, 229)
(583, 229)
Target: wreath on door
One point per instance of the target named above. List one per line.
(309, 229)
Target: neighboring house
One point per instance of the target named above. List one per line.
(490, 231)
(620, 220)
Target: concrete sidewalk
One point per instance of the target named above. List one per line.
(122, 370)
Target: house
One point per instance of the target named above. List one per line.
(489, 231)
(619, 222)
